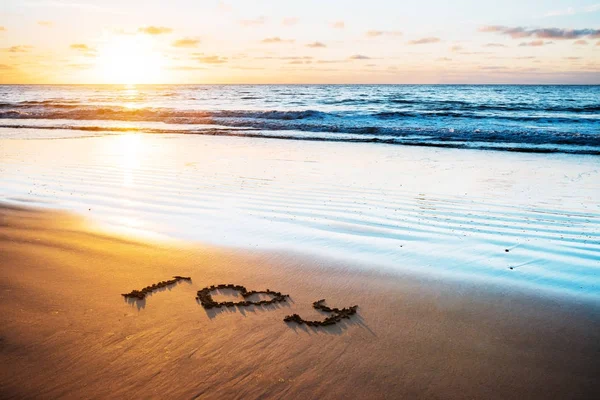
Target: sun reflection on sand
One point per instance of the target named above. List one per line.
(128, 152)
(129, 147)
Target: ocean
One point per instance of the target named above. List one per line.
(542, 119)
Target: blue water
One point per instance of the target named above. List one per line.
(563, 119)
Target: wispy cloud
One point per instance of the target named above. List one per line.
(187, 68)
(276, 39)
(289, 21)
(456, 49)
(493, 67)
(375, 33)
(557, 13)
(359, 57)
(573, 11)
(47, 24)
(154, 30)
(534, 43)
(81, 66)
(80, 47)
(315, 45)
(253, 22)
(284, 58)
(224, 7)
(210, 59)
(186, 42)
(2, 29)
(494, 45)
(338, 25)
(76, 5)
(541, 33)
(426, 40)
(330, 61)
(19, 49)
(581, 42)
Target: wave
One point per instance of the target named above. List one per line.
(81, 112)
(584, 146)
(574, 132)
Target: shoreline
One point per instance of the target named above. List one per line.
(63, 312)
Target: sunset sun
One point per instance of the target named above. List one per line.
(129, 60)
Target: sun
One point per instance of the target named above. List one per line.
(129, 60)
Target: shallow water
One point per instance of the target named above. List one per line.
(443, 213)
(549, 119)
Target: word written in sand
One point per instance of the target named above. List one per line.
(207, 301)
(339, 314)
(141, 294)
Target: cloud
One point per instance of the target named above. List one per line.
(253, 22)
(2, 29)
(581, 42)
(493, 67)
(597, 43)
(541, 33)
(373, 33)
(19, 49)
(186, 42)
(456, 49)
(534, 43)
(573, 11)
(73, 4)
(205, 59)
(338, 25)
(187, 68)
(556, 13)
(81, 66)
(494, 45)
(315, 45)
(330, 61)
(276, 39)
(285, 58)
(289, 21)
(443, 59)
(224, 7)
(300, 62)
(80, 47)
(359, 57)
(154, 30)
(426, 40)
(572, 58)
(45, 23)
(5, 66)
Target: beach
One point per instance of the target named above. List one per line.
(478, 287)
(68, 333)
(299, 200)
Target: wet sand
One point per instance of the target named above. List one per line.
(67, 332)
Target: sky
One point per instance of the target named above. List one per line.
(307, 41)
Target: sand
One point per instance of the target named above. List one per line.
(67, 332)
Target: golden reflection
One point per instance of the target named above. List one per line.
(128, 150)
